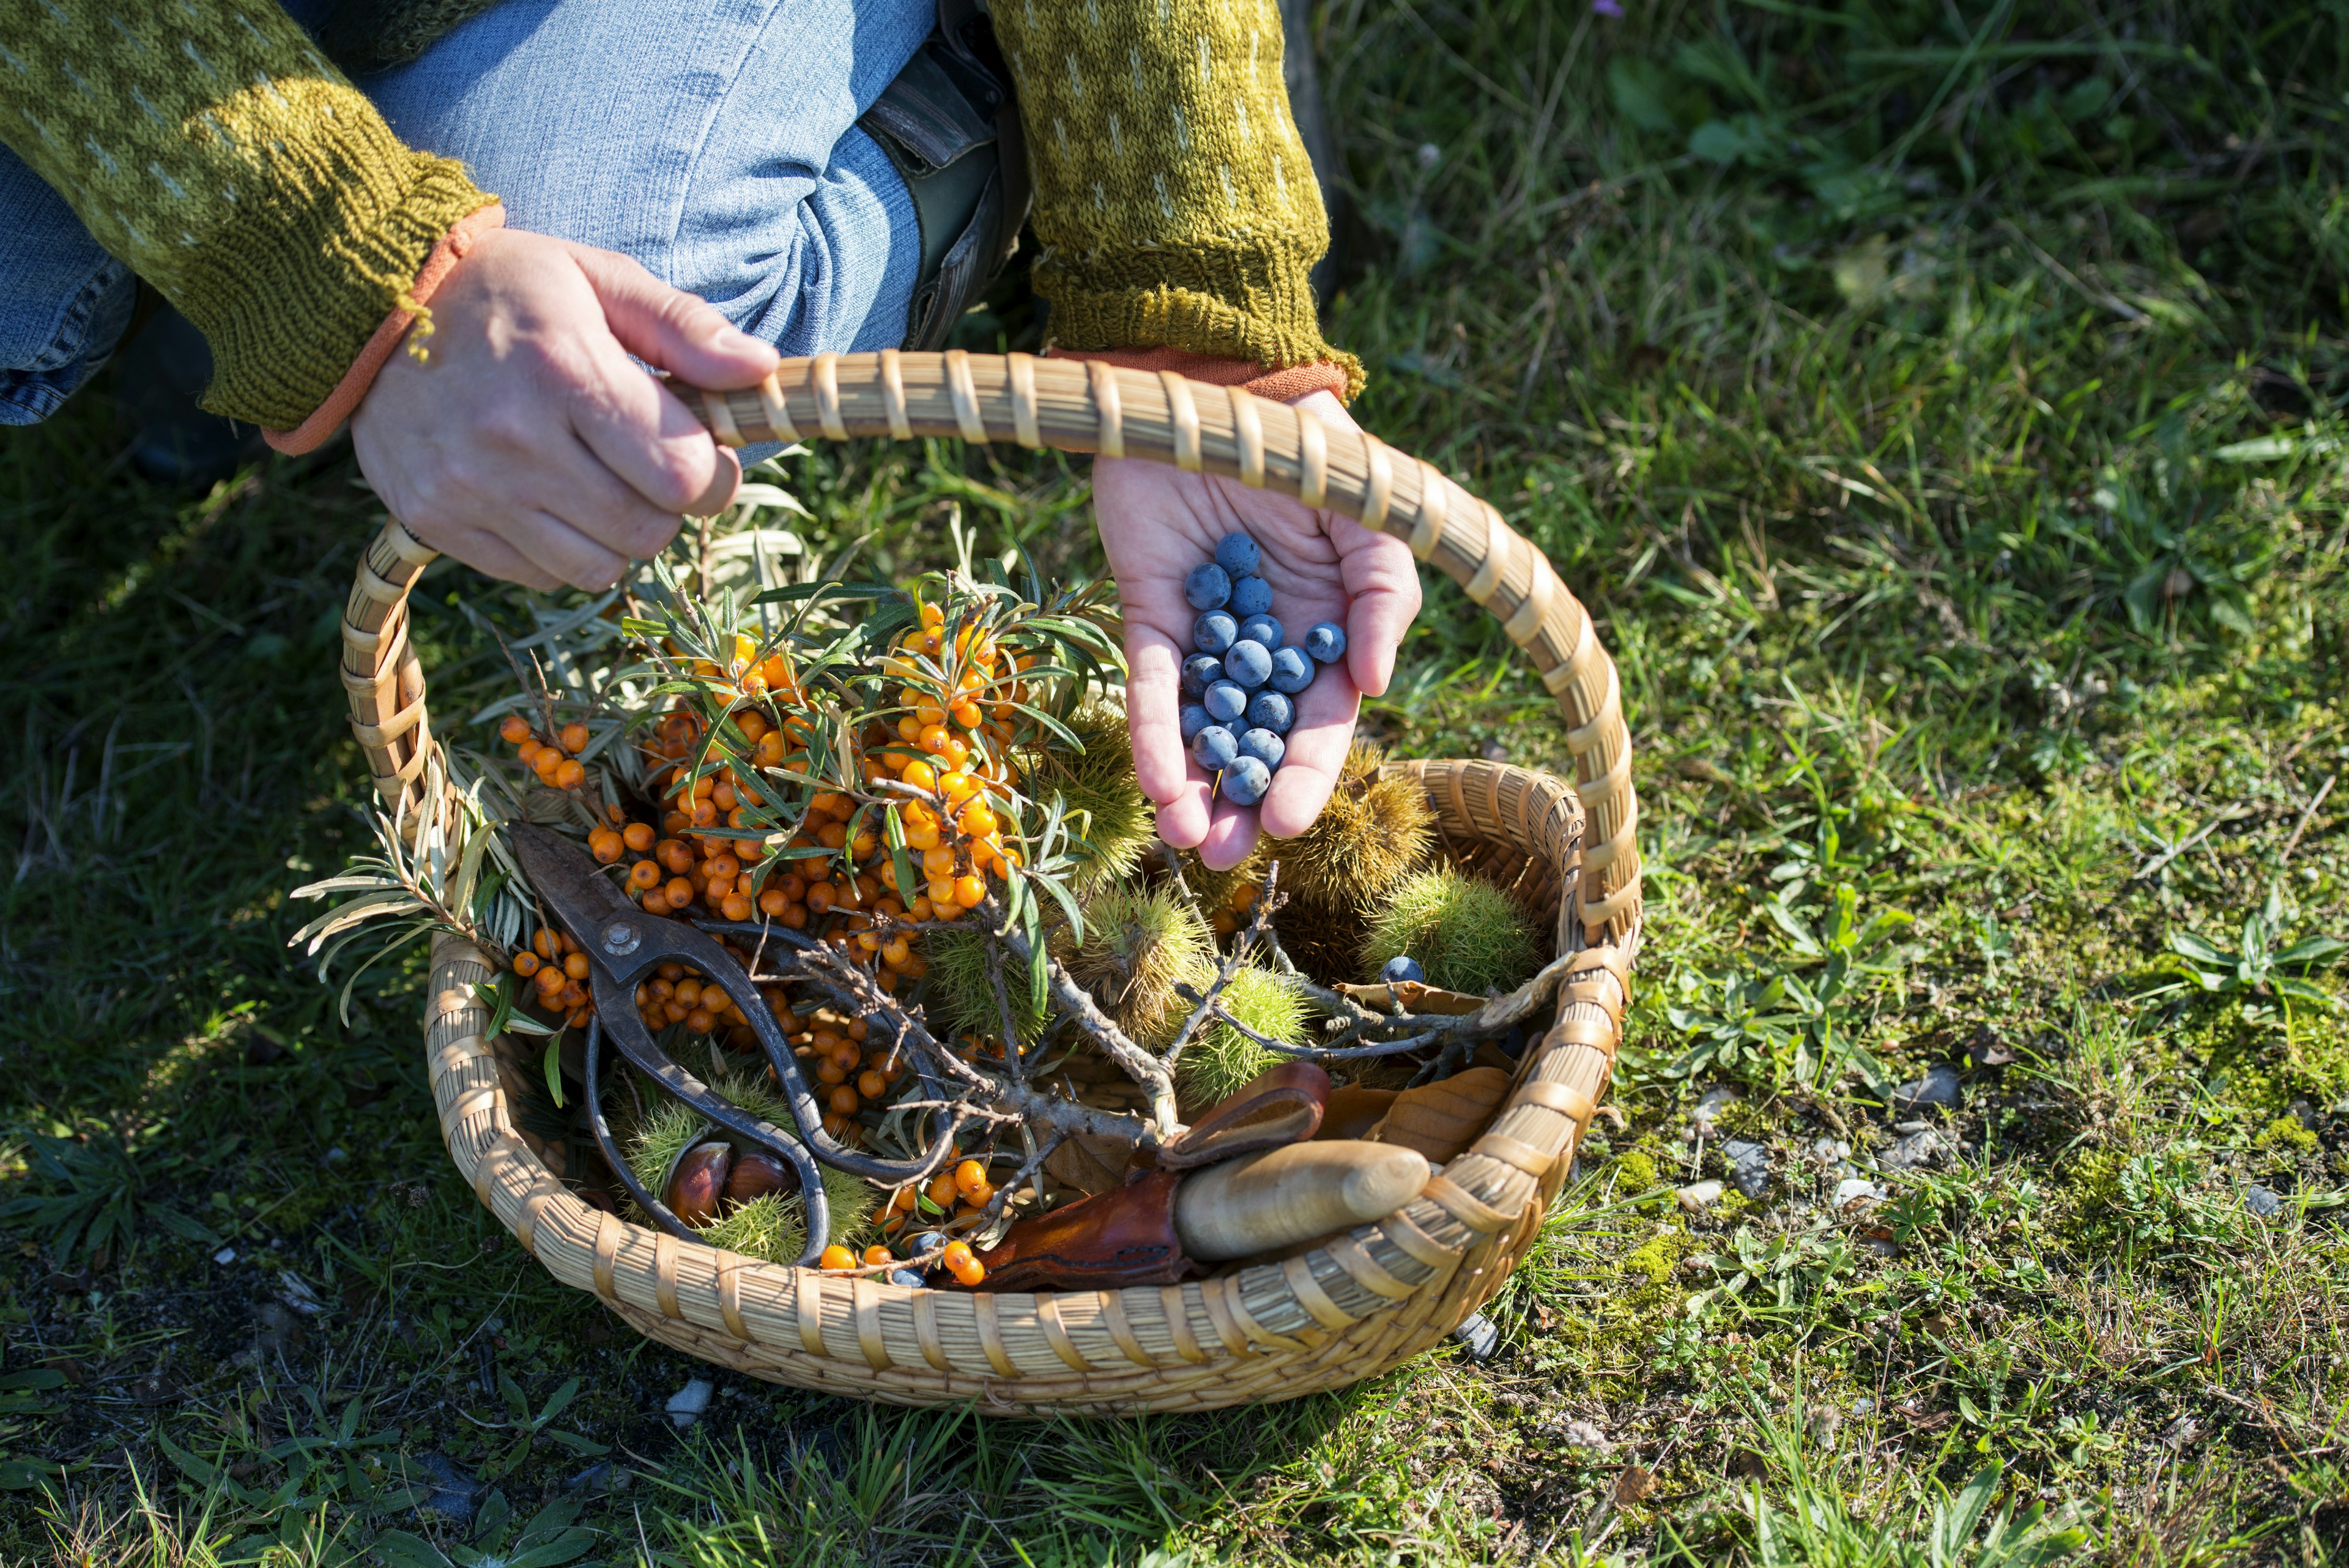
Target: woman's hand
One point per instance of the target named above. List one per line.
(1156, 524)
(529, 445)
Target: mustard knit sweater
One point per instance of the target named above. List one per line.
(210, 146)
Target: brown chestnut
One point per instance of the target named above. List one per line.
(757, 1174)
(698, 1181)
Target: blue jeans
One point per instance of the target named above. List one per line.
(712, 140)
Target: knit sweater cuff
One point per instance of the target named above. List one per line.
(292, 300)
(1288, 384)
(1245, 300)
(344, 400)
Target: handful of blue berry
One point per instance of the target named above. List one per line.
(1238, 687)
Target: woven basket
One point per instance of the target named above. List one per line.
(1348, 1309)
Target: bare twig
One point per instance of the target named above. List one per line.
(1132, 1060)
(2301, 826)
(1205, 1006)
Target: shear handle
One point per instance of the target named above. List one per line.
(637, 1046)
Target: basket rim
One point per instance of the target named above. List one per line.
(1087, 1347)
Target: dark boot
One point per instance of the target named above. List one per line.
(158, 375)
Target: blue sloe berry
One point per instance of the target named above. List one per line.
(1265, 746)
(1209, 586)
(1401, 967)
(1214, 632)
(1326, 642)
(1292, 671)
(1247, 665)
(1246, 780)
(1200, 671)
(1214, 749)
(1250, 595)
(1236, 553)
(1261, 629)
(1271, 710)
(1225, 701)
(1194, 718)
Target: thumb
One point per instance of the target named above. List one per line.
(671, 329)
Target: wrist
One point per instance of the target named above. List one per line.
(344, 399)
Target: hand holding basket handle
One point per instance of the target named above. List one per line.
(1226, 433)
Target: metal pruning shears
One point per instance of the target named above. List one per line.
(624, 945)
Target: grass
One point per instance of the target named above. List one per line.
(1940, 406)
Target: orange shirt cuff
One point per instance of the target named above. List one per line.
(328, 417)
(1282, 386)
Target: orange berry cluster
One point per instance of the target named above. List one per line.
(678, 994)
(557, 970)
(1235, 913)
(556, 762)
(966, 1186)
(851, 1069)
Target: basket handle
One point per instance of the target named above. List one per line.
(1090, 407)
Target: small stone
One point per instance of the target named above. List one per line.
(448, 1489)
(1699, 1194)
(1225, 703)
(1247, 665)
(1236, 553)
(1200, 671)
(1939, 1086)
(1271, 710)
(336, 1155)
(1265, 745)
(1214, 632)
(1251, 595)
(1245, 780)
(1710, 1103)
(1214, 748)
(225, 1255)
(685, 1407)
(1262, 628)
(1857, 1190)
(1918, 1149)
(2262, 1203)
(1292, 672)
(295, 1293)
(1401, 968)
(1326, 642)
(1478, 1336)
(1209, 586)
(1749, 1166)
(1194, 719)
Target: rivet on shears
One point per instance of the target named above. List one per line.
(621, 939)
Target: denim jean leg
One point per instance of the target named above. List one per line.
(64, 302)
(712, 140)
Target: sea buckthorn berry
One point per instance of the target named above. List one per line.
(513, 730)
(837, 1257)
(638, 835)
(545, 943)
(941, 1189)
(525, 964)
(872, 1084)
(678, 891)
(549, 980)
(978, 819)
(969, 1174)
(605, 845)
(970, 1278)
(959, 1256)
(970, 889)
(876, 1255)
(575, 965)
(547, 761)
(575, 737)
(934, 738)
(569, 774)
(700, 1021)
(844, 1100)
(734, 906)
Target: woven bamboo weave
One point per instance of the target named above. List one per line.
(1348, 1309)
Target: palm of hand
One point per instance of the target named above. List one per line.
(1157, 524)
